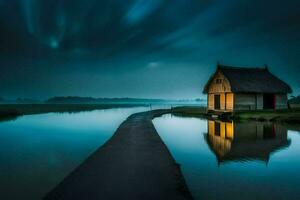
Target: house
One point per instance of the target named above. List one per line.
(236, 141)
(235, 88)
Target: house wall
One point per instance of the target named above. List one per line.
(210, 100)
(223, 103)
(256, 101)
(229, 101)
(223, 89)
(281, 101)
(259, 101)
(245, 101)
(225, 98)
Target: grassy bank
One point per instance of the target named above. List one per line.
(189, 111)
(295, 106)
(288, 116)
(8, 111)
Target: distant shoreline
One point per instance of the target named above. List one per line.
(101, 100)
(12, 111)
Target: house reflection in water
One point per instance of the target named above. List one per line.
(236, 141)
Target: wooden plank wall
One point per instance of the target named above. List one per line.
(259, 101)
(220, 89)
(222, 99)
(211, 101)
(229, 101)
(226, 101)
(281, 101)
(244, 101)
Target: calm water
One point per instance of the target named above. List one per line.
(38, 151)
(234, 160)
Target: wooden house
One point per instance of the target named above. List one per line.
(235, 88)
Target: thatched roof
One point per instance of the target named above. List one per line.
(251, 80)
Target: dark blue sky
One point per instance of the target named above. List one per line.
(141, 48)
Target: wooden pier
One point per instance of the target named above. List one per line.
(133, 164)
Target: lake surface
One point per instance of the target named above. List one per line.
(229, 160)
(38, 151)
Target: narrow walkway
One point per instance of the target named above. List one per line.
(133, 164)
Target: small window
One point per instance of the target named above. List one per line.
(218, 81)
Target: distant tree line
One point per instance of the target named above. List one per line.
(294, 100)
(19, 100)
(75, 99)
(92, 100)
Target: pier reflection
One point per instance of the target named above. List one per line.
(239, 142)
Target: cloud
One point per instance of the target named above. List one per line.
(153, 65)
(122, 36)
(141, 9)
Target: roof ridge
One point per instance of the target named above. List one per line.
(241, 68)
